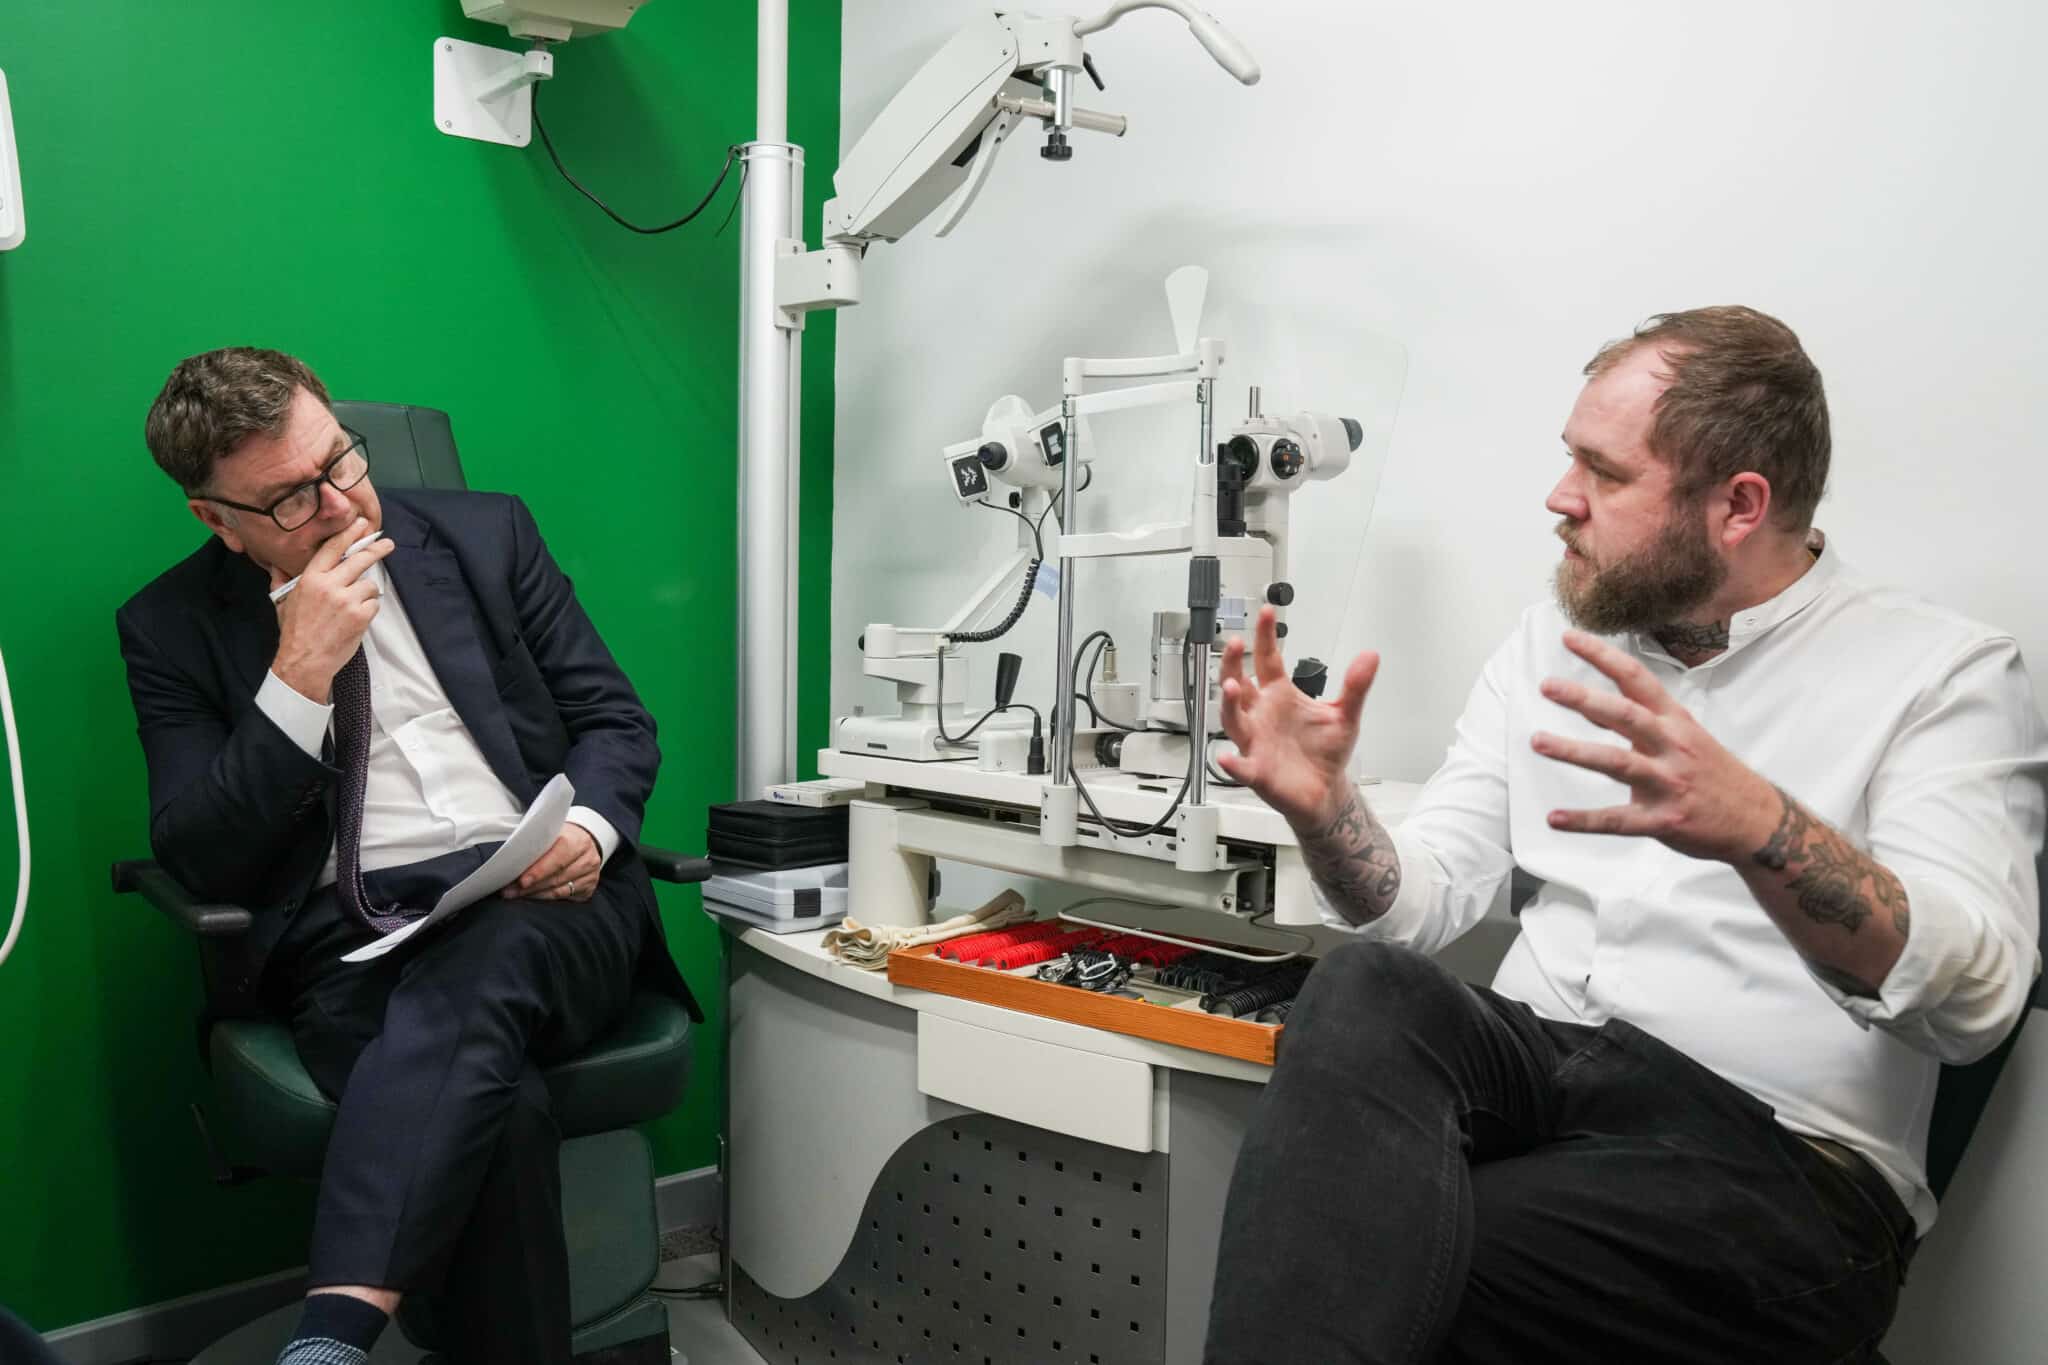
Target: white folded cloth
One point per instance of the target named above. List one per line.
(868, 946)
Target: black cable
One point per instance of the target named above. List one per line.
(1081, 650)
(978, 637)
(996, 632)
(1085, 695)
(738, 197)
(1051, 503)
(702, 204)
(1037, 543)
(963, 736)
(1130, 831)
(1037, 720)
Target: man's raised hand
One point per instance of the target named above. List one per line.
(1292, 750)
(322, 620)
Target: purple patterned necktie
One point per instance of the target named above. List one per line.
(352, 752)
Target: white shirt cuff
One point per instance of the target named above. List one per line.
(600, 830)
(303, 720)
(1940, 995)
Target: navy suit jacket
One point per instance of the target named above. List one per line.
(239, 813)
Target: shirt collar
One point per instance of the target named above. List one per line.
(1754, 621)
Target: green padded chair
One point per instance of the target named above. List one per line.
(265, 1115)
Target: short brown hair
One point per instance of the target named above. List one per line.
(1743, 396)
(215, 401)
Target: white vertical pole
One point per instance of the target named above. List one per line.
(793, 495)
(770, 379)
(771, 87)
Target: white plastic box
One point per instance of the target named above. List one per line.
(791, 900)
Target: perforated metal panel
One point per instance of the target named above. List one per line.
(989, 1242)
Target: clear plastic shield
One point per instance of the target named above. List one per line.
(1142, 473)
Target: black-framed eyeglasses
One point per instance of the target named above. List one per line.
(297, 506)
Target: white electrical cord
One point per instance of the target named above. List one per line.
(20, 814)
(1306, 941)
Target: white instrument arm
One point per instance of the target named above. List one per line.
(938, 137)
(1229, 53)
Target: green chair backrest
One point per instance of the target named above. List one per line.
(409, 447)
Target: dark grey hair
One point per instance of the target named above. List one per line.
(215, 401)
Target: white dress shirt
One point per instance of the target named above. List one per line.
(430, 790)
(1911, 730)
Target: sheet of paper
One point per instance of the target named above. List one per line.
(537, 830)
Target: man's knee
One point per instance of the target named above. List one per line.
(1368, 990)
(531, 1139)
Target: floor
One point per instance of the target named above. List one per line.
(697, 1328)
(698, 1331)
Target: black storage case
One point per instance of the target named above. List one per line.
(773, 834)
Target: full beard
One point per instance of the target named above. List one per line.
(1656, 586)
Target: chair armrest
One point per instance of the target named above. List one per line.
(669, 866)
(159, 888)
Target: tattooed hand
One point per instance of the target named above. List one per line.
(1684, 788)
(1291, 749)
(1841, 909)
(1294, 751)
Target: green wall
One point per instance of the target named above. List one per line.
(215, 172)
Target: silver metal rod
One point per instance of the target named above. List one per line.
(1063, 684)
(1059, 90)
(770, 379)
(1116, 125)
(1198, 724)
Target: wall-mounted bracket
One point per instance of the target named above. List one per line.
(807, 280)
(486, 93)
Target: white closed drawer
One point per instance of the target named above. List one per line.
(1060, 1089)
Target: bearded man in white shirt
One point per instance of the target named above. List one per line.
(1785, 823)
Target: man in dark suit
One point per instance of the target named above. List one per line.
(337, 758)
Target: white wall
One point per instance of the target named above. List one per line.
(1498, 187)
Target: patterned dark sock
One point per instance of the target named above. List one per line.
(334, 1329)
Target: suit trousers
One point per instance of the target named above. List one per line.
(1434, 1173)
(442, 1173)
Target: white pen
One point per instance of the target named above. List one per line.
(277, 593)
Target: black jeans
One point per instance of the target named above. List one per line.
(1436, 1174)
(442, 1172)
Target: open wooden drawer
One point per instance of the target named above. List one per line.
(1183, 1023)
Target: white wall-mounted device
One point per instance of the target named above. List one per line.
(486, 93)
(555, 20)
(13, 224)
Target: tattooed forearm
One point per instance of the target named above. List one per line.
(1828, 875)
(1693, 644)
(1832, 883)
(1353, 859)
